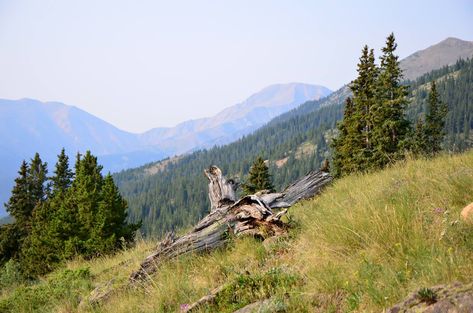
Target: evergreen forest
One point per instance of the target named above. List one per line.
(172, 194)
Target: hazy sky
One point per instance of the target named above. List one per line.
(143, 64)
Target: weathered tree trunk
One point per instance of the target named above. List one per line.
(251, 215)
(221, 191)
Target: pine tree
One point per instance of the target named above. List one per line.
(390, 127)
(364, 93)
(258, 178)
(342, 144)
(83, 199)
(37, 180)
(20, 204)
(419, 139)
(28, 193)
(435, 121)
(353, 149)
(10, 237)
(63, 175)
(42, 248)
(110, 221)
(51, 225)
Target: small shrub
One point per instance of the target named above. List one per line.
(10, 275)
(427, 295)
(247, 288)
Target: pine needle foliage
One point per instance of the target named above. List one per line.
(63, 216)
(258, 178)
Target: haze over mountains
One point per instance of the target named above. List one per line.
(28, 126)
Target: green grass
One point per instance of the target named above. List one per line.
(363, 245)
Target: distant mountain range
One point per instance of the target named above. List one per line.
(28, 126)
(171, 194)
(235, 121)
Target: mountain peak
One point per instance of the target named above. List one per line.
(446, 52)
(453, 40)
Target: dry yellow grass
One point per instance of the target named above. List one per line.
(361, 246)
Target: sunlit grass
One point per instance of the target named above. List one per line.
(376, 237)
(363, 245)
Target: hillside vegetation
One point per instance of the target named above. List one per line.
(361, 246)
(176, 196)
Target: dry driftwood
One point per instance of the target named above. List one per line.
(204, 300)
(251, 215)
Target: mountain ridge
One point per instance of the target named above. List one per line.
(157, 199)
(445, 52)
(47, 127)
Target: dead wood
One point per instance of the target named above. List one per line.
(204, 300)
(251, 215)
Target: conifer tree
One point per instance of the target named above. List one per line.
(258, 178)
(20, 204)
(63, 175)
(84, 196)
(364, 93)
(419, 139)
(28, 193)
(51, 225)
(42, 248)
(353, 149)
(390, 127)
(343, 143)
(10, 237)
(111, 225)
(435, 121)
(37, 180)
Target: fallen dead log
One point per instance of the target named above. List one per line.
(251, 215)
(203, 301)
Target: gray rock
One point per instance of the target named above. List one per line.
(453, 298)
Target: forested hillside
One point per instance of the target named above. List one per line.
(172, 193)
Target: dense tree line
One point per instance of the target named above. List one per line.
(454, 86)
(158, 199)
(62, 216)
(176, 196)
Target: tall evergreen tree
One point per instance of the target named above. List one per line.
(389, 122)
(353, 149)
(84, 197)
(435, 121)
(37, 180)
(42, 249)
(28, 193)
(111, 220)
(419, 139)
(52, 224)
(364, 93)
(63, 175)
(342, 144)
(20, 204)
(258, 178)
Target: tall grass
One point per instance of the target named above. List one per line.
(364, 244)
(374, 238)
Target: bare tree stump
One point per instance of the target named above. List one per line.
(221, 191)
(251, 215)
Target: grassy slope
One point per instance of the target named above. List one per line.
(362, 246)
